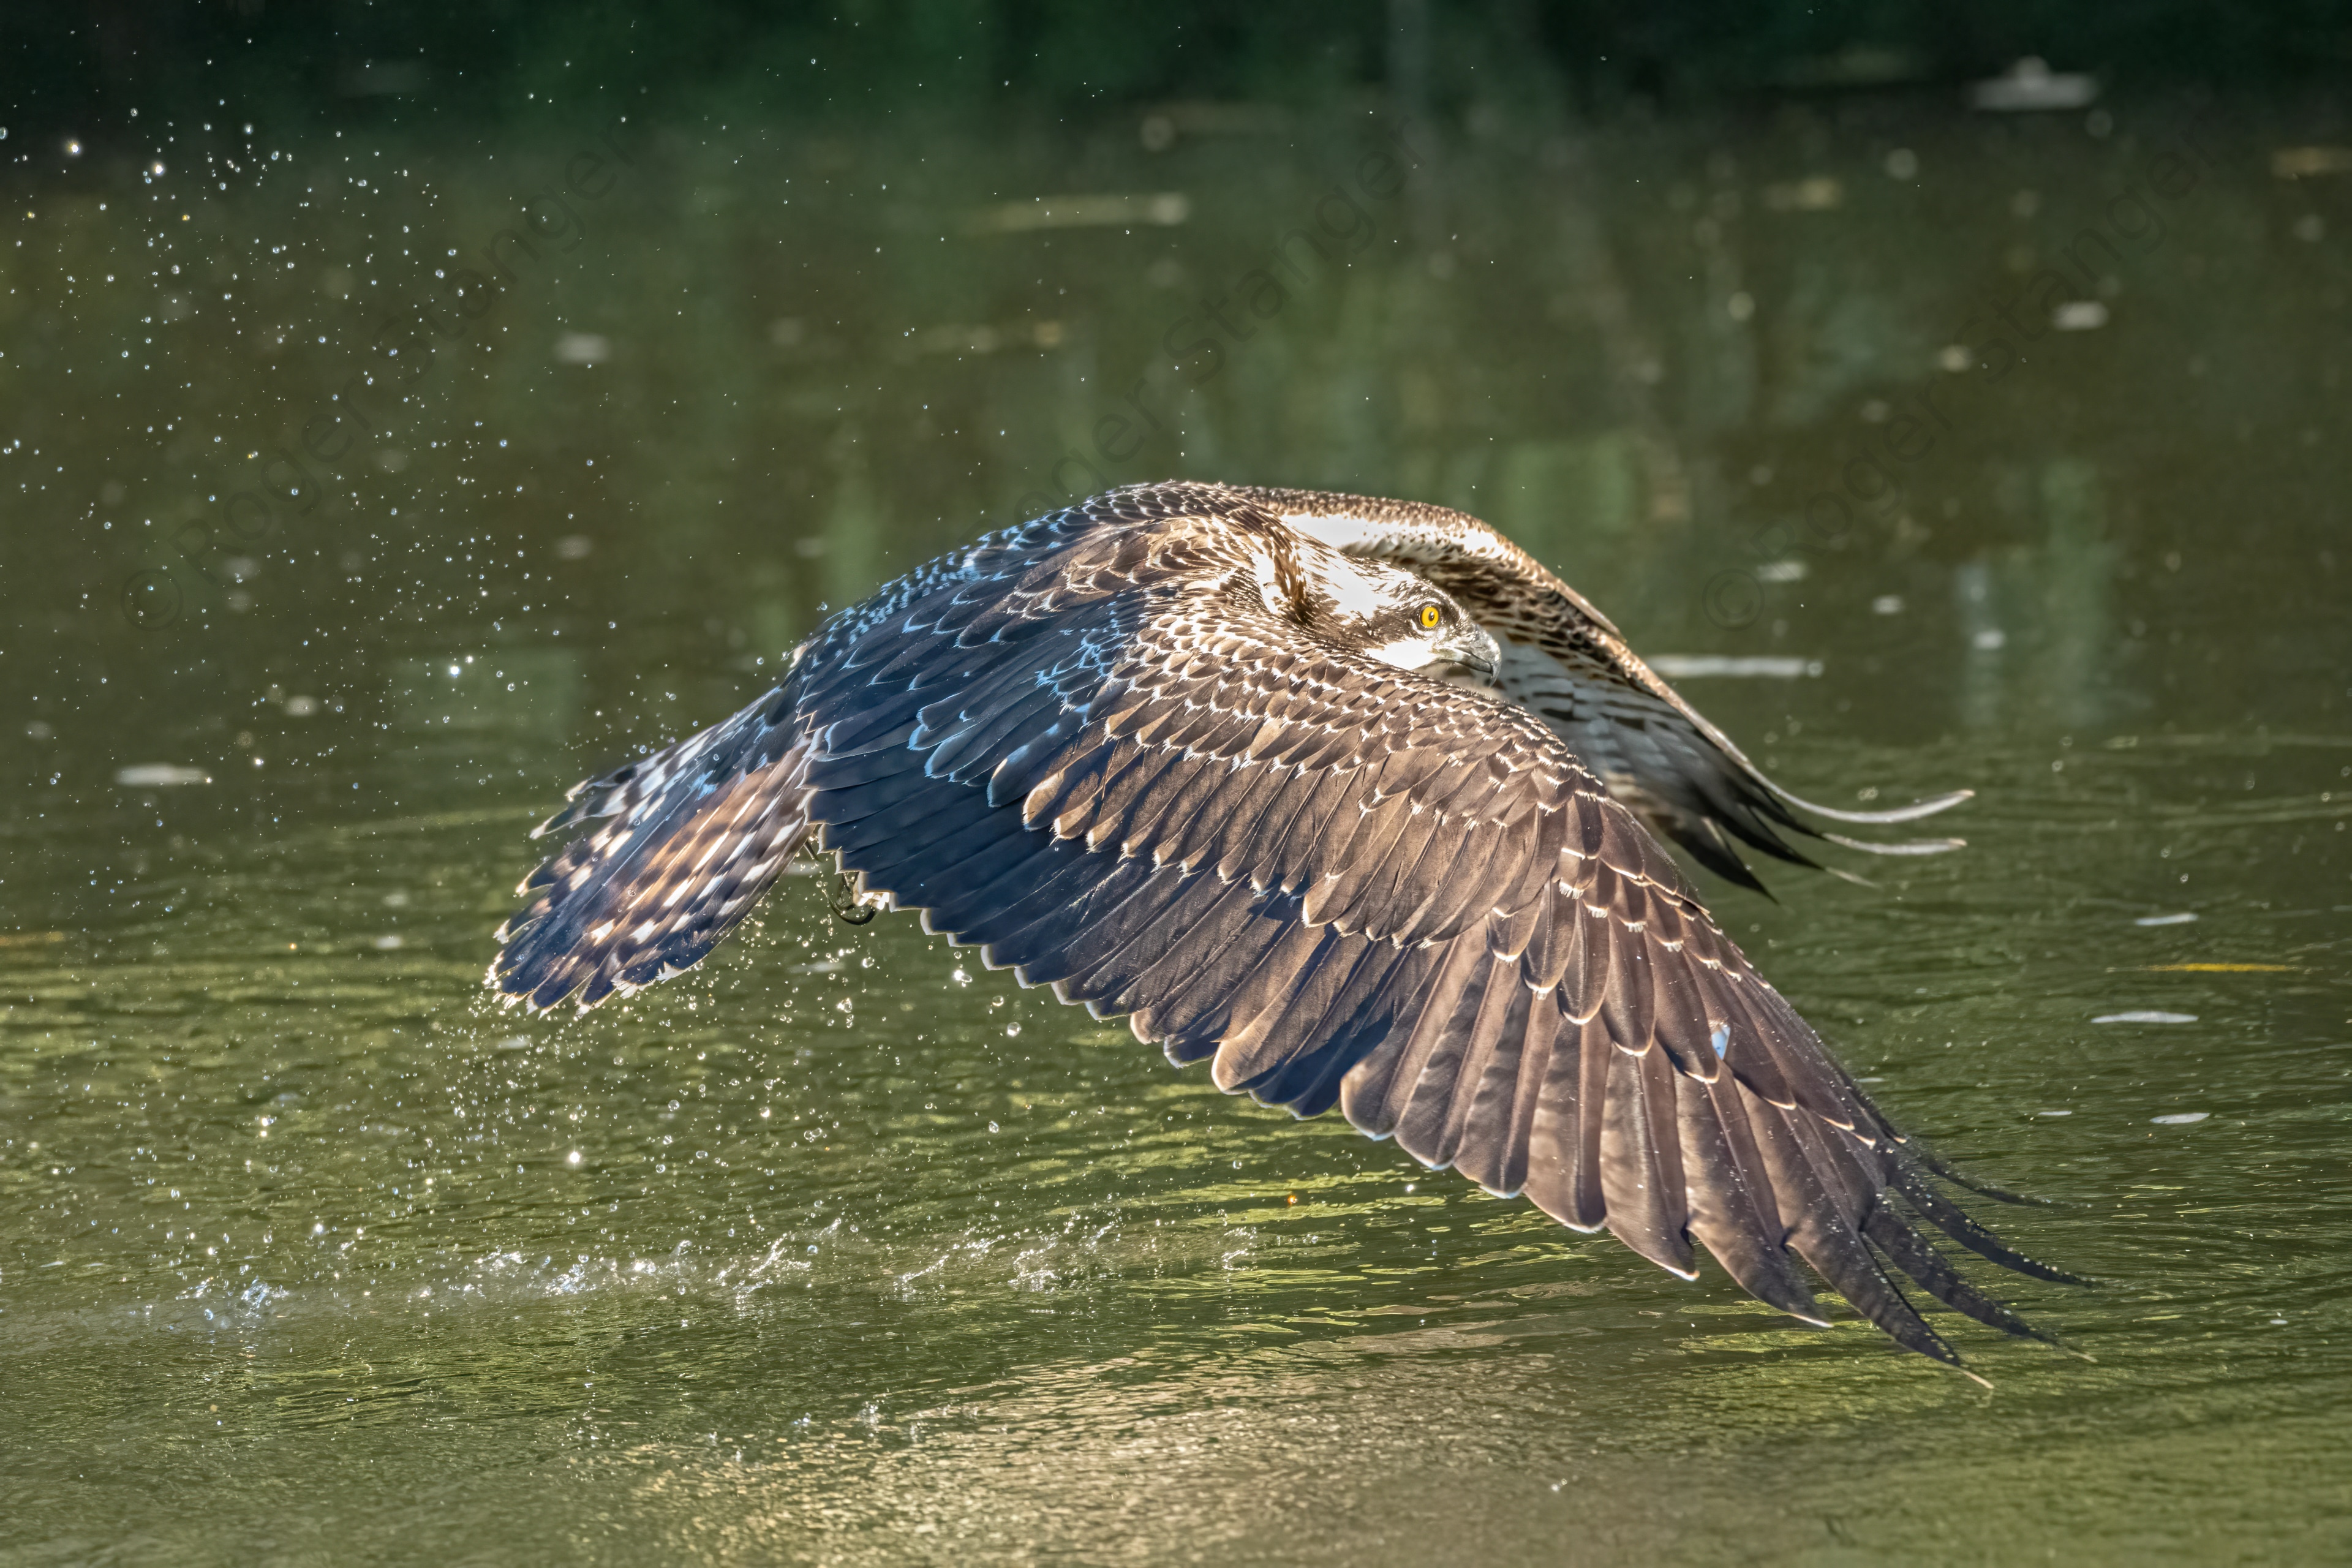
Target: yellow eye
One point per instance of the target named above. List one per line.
(1430, 615)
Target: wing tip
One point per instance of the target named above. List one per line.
(538, 984)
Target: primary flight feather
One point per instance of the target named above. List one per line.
(1347, 797)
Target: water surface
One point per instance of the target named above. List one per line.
(843, 1249)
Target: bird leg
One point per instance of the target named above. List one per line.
(840, 892)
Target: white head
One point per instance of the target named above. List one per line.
(1387, 614)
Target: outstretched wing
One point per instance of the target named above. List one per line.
(671, 851)
(1126, 770)
(1563, 660)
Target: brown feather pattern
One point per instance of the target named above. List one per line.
(1134, 751)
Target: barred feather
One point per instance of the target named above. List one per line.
(1159, 751)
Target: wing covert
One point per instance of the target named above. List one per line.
(1343, 883)
(1565, 661)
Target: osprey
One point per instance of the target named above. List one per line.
(1347, 797)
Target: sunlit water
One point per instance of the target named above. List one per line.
(846, 1250)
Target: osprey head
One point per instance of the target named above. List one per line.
(1386, 613)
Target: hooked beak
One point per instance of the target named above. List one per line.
(1471, 651)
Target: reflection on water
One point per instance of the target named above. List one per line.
(847, 1250)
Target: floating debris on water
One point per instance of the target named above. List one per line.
(2180, 1118)
(583, 348)
(2301, 163)
(1163, 209)
(2145, 1017)
(2219, 969)
(2187, 917)
(1818, 194)
(160, 775)
(984, 339)
(1688, 665)
(2029, 84)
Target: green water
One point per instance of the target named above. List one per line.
(843, 1249)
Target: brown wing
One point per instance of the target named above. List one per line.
(1563, 660)
(1126, 774)
(674, 850)
(678, 848)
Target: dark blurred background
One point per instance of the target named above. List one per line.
(67, 67)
